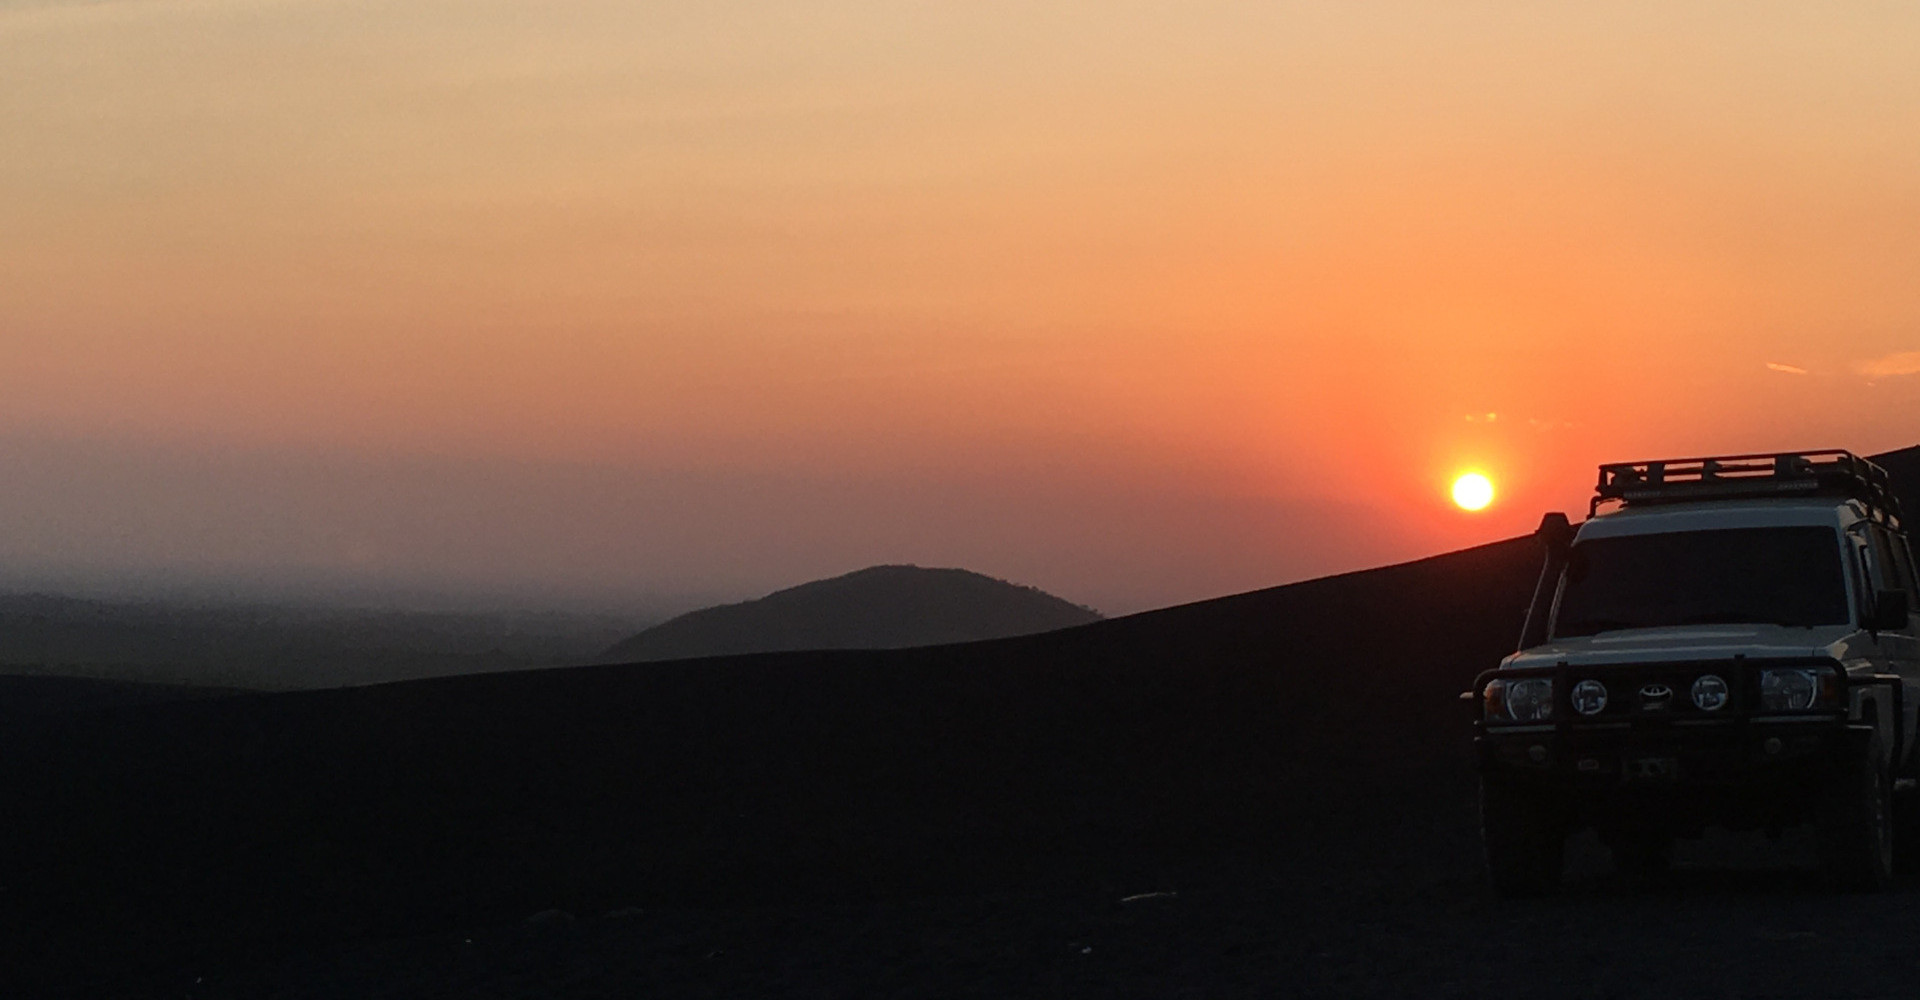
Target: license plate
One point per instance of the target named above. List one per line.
(1652, 769)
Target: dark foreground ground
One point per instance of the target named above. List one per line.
(1232, 933)
(1408, 923)
(1263, 795)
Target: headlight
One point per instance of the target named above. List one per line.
(1527, 699)
(1710, 693)
(1786, 689)
(1589, 697)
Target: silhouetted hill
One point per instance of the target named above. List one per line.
(268, 647)
(882, 607)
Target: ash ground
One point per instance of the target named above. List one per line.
(1740, 918)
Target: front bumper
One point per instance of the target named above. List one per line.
(1734, 773)
(1649, 732)
(1650, 758)
(1727, 753)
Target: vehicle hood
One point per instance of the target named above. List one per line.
(1694, 642)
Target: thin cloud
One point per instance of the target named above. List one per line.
(11, 5)
(1901, 363)
(56, 7)
(1774, 366)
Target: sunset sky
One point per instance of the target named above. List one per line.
(630, 304)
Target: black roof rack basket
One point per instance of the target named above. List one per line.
(1728, 477)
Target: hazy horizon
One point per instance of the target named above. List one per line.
(599, 305)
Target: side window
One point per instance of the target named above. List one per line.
(1863, 573)
(1890, 571)
(1903, 567)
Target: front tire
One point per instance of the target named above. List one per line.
(1525, 840)
(1855, 826)
(1906, 836)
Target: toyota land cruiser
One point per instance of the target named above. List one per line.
(1724, 642)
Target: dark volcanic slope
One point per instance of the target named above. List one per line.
(1301, 744)
(1126, 745)
(1904, 467)
(882, 607)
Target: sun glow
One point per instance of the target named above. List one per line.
(1472, 491)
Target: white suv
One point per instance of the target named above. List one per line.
(1724, 642)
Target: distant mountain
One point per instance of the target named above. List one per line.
(882, 607)
(269, 647)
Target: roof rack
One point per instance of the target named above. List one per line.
(1729, 477)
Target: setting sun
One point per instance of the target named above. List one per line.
(1473, 491)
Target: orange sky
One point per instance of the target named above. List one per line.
(1133, 302)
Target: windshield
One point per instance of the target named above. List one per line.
(1780, 576)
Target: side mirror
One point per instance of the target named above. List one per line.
(1555, 533)
(1889, 610)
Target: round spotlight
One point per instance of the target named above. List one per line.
(1710, 693)
(1589, 697)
